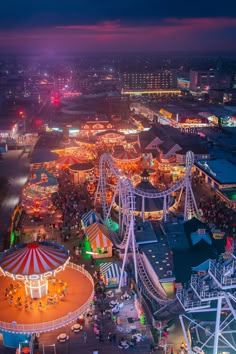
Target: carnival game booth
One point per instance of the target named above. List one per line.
(111, 274)
(98, 237)
(81, 171)
(40, 290)
(90, 218)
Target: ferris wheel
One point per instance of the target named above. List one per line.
(126, 194)
(209, 303)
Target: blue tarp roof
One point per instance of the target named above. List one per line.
(204, 266)
(196, 237)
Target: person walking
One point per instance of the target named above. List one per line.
(152, 348)
(85, 337)
(114, 338)
(109, 337)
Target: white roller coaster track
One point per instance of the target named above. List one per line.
(127, 193)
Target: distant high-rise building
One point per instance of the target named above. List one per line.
(204, 80)
(234, 80)
(61, 83)
(156, 80)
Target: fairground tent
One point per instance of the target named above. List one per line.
(98, 236)
(111, 273)
(90, 218)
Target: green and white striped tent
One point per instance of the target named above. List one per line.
(111, 273)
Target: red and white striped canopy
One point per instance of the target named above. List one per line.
(34, 258)
(68, 160)
(126, 156)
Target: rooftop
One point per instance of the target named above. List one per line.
(144, 232)
(159, 255)
(81, 166)
(230, 193)
(221, 170)
(43, 155)
(169, 137)
(200, 249)
(175, 233)
(184, 260)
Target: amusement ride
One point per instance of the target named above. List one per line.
(210, 293)
(125, 238)
(36, 299)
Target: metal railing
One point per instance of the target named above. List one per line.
(189, 304)
(54, 324)
(218, 275)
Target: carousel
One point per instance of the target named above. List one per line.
(40, 289)
(126, 159)
(111, 137)
(81, 172)
(34, 263)
(73, 155)
(67, 160)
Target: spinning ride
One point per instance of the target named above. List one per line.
(37, 265)
(68, 160)
(34, 263)
(36, 194)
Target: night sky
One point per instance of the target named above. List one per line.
(110, 25)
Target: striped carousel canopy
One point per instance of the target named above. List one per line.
(32, 259)
(68, 160)
(125, 156)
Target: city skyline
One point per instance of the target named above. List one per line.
(76, 26)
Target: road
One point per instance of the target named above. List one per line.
(149, 113)
(15, 167)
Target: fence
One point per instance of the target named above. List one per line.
(14, 327)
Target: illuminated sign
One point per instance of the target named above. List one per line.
(193, 121)
(218, 235)
(165, 113)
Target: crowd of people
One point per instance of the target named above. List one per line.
(215, 211)
(73, 201)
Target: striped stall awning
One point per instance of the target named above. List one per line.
(111, 270)
(90, 218)
(98, 236)
(104, 267)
